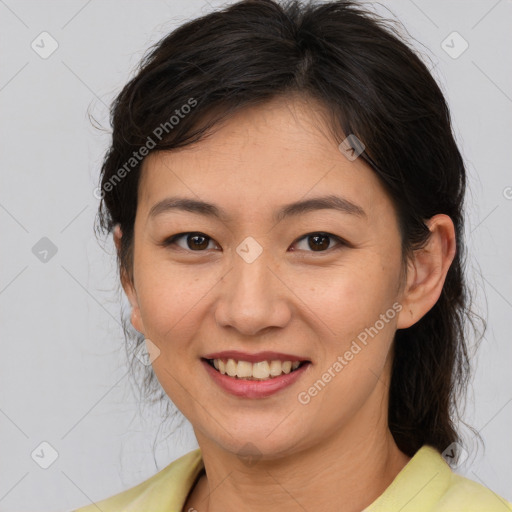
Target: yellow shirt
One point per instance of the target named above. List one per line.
(425, 484)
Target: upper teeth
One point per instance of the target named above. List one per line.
(259, 370)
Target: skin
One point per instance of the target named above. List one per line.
(335, 452)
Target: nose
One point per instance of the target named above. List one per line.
(253, 297)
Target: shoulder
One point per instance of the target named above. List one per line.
(428, 484)
(167, 490)
(465, 495)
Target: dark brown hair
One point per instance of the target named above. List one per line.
(374, 86)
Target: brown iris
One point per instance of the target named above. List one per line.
(202, 244)
(318, 244)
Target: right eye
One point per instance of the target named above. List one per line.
(194, 241)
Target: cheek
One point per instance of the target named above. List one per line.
(170, 299)
(352, 298)
(357, 308)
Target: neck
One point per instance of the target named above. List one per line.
(346, 471)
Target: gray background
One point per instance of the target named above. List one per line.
(63, 375)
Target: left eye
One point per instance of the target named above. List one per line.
(320, 242)
(194, 241)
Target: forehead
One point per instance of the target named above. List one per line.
(271, 154)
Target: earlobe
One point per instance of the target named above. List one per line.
(135, 316)
(427, 271)
(128, 286)
(117, 237)
(136, 319)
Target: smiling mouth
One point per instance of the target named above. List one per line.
(261, 370)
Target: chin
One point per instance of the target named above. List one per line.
(254, 443)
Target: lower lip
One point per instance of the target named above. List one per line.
(254, 388)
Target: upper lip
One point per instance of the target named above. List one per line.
(254, 358)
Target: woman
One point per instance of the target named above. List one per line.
(286, 198)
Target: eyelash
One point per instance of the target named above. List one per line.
(341, 243)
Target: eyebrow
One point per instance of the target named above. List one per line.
(330, 202)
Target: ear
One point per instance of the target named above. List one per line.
(426, 272)
(128, 286)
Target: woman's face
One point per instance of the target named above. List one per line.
(255, 281)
